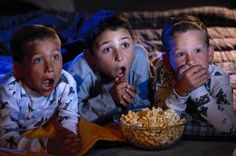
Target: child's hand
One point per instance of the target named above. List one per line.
(122, 92)
(190, 77)
(71, 142)
(64, 143)
(129, 94)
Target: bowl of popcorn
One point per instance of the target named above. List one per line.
(152, 129)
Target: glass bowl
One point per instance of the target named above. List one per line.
(152, 134)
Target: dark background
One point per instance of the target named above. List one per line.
(148, 5)
(12, 7)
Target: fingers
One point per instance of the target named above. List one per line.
(182, 69)
(200, 78)
(199, 75)
(188, 69)
(191, 78)
(122, 92)
(122, 79)
(128, 95)
(193, 72)
(71, 142)
(65, 143)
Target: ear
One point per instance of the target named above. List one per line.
(211, 53)
(18, 70)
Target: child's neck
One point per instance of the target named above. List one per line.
(29, 91)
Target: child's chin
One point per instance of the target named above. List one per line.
(46, 93)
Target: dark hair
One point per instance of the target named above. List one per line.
(29, 34)
(179, 25)
(100, 21)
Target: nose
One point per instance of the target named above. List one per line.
(190, 59)
(119, 56)
(48, 67)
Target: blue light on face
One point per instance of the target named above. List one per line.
(171, 54)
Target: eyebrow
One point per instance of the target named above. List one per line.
(106, 42)
(102, 43)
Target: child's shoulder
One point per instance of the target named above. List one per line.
(7, 79)
(66, 77)
(219, 78)
(78, 64)
(141, 54)
(217, 72)
(10, 85)
(140, 50)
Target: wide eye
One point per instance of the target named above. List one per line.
(56, 57)
(179, 54)
(37, 60)
(198, 50)
(125, 45)
(107, 50)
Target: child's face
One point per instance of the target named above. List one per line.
(114, 53)
(188, 49)
(42, 65)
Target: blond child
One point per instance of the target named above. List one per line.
(185, 76)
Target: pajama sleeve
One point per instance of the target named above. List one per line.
(215, 104)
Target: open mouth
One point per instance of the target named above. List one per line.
(120, 73)
(47, 84)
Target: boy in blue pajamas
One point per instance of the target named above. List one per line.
(113, 72)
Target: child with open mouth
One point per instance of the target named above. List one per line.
(112, 73)
(37, 91)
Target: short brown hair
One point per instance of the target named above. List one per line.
(182, 24)
(99, 22)
(28, 34)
